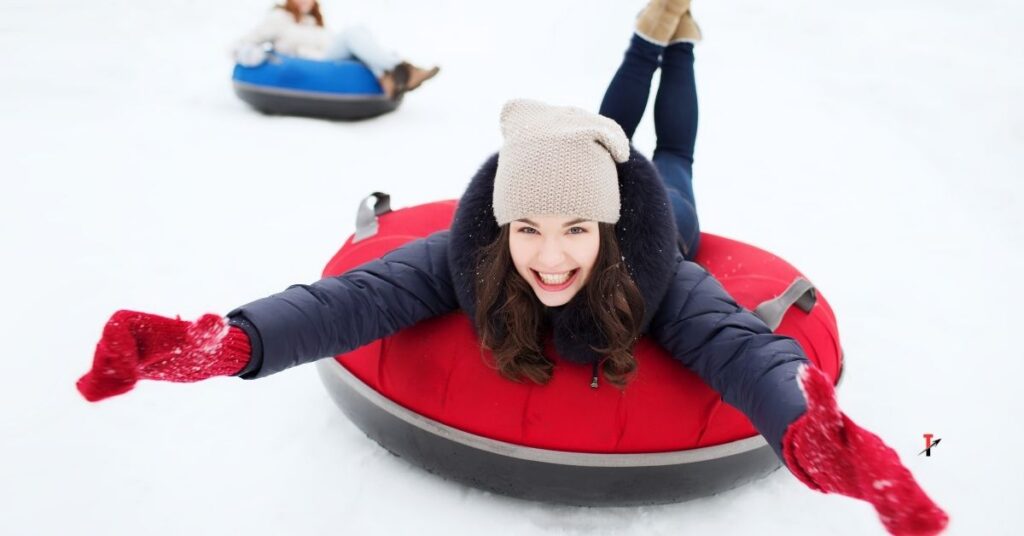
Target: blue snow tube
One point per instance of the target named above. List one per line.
(287, 85)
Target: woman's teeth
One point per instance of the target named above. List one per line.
(555, 279)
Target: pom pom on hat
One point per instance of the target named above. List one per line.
(557, 160)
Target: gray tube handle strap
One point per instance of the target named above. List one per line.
(366, 217)
(800, 293)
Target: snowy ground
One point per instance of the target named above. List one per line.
(876, 145)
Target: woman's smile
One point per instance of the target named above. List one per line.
(555, 282)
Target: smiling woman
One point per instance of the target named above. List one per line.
(296, 28)
(544, 262)
(555, 197)
(555, 254)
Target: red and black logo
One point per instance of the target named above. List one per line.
(928, 444)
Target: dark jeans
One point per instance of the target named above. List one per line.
(675, 121)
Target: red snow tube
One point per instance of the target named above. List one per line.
(428, 394)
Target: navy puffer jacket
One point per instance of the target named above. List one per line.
(687, 311)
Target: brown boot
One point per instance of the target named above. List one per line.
(687, 31)
(398, 80)
(387, 84)
(418, 75)
(659, 20)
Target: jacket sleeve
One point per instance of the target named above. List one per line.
(339, 314)
(732, 350)
(268, 30)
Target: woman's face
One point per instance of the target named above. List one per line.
(304, 6)
(555, 254)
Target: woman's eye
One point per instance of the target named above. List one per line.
(527, 230)
(577, 230)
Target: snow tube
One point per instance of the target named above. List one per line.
(287, 85)
(427, 395)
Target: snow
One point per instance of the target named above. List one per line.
(876, 145)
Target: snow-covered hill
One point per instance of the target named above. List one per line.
(878, 146)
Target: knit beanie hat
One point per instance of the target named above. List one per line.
(557, 160)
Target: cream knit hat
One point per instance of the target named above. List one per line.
(557, 160)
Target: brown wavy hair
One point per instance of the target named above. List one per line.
(509, 317)
(290, 7)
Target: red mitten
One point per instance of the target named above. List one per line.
(830, 453)
(139, 345)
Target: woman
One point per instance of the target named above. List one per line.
(567, 233)
(297, 29)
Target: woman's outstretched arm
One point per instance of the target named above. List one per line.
(732, 350)
(789, 400)
(339, 314)
(302, 324)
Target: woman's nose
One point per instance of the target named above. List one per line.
(551, 254)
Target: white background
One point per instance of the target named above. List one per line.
(877, 145)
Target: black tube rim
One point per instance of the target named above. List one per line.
(307, 94)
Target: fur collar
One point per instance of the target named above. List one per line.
(647, 238)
